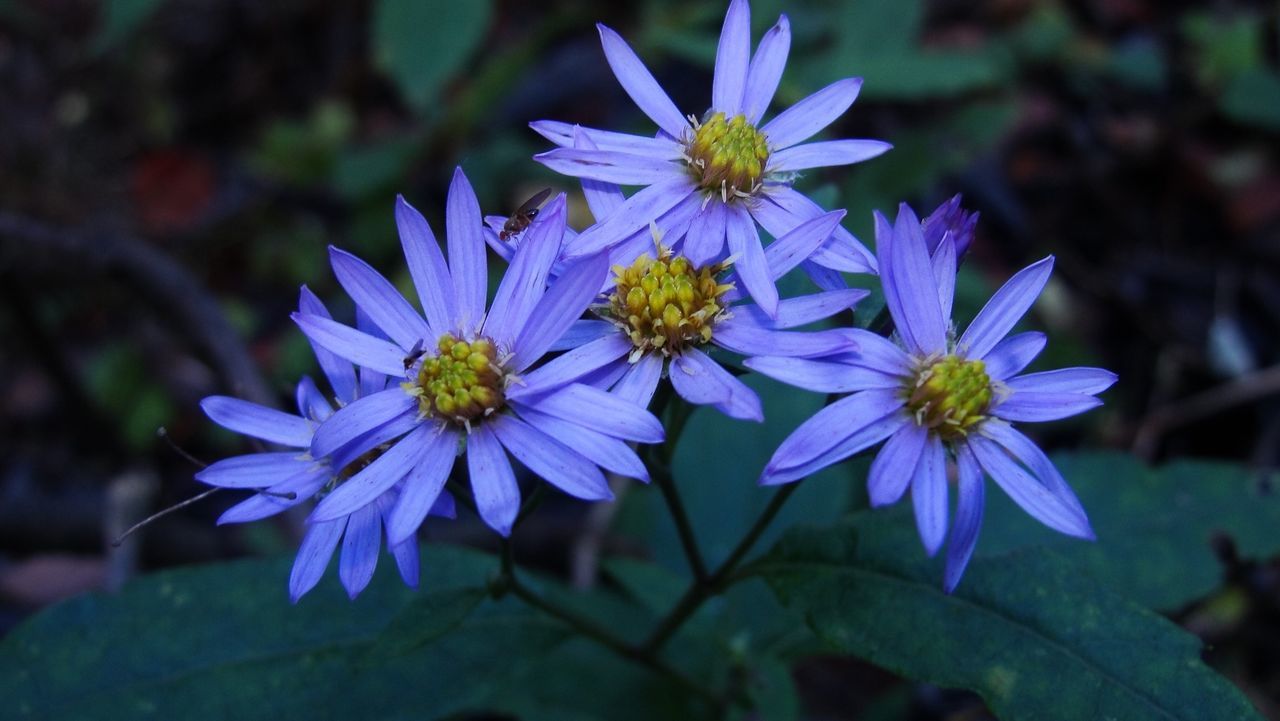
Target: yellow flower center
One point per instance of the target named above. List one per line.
(949, 396)
(463, 382)
(665, 304)
(727, 156)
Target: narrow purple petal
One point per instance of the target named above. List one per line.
(1036, 407)
(467, 260)
(1090, 381)
(551, 460)
(1013, 354)
(806, 309)
(964, 531)
(635, 214)
(1029, 454)
(360, 545)
(1004, 310)
(342, 377)
(376, 296)
(826, 154)
(379, 435)
(581, 332)
(783, 208)
(407, 562)
(700, 380)
(1026, 491)
(311, 402)
(258, 421)
(641, 380)
(359, 418)
(349, 343)
(375, 478)
(260, 505)
(821, 376)
(609, 453)
(427, 268)
(740, 335)
(797, 245)
(317, 548)
(573, 365)
(733, 56)
(912, 276)
(822, 276)
(751, 266)
(563, 134)
(895, 465)
(255, 470)
(877, 353)
(801, 121)
(559, 307)
(640, 85)
(611, 166)
(422, 486)
(602, 198)
(609, 414)
(944, 275)
(705, 238)
(834, 433)
(492, 480)
(766, 70)
(526, 279)
(929, 495)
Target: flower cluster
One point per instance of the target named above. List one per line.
(671, 282)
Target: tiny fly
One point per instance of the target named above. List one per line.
(414, 354)
(524, 215)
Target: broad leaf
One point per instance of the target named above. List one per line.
(424, 43)
(1036, 638)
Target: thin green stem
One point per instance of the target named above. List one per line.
(661, 475)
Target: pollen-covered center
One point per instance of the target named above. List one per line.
(665, 304)
(949, 396)
(727, 156)
(463, 382)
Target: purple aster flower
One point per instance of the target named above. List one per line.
(709, 179)
(285, 479)
(950, 218)
(459, 383)
(935, 396)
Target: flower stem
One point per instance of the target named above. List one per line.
(658, 460)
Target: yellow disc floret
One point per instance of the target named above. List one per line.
(727, 156)
(665, 304)
(463, 382)
(950, 395)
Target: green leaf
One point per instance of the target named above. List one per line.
(1154, 526)
(1253, 98)
(223, 641)
(1027, 631)
(428, 618)
(120, 19)
(422, 44)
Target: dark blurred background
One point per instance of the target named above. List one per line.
(172, 170)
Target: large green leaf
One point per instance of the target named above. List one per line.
(1154, 526)
(424, 43)
(1027, 631)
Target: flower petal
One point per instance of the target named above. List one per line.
(360, 546)
(751, 266)
(806, 309)
(798, 244)
(313, 556)
(463, 229)
(895, 465)
(1013, 354)
(929, 495)
(376, 296)
(782, 208)
(376, 478)
(526, 279)
(260, 505)
(609, 414)
(825, 154)
(359, 418)
(912, 276)
(766, 70)
(1029, 454)
(641, 380)
(258, 421)
(821, 376)
(427, 268)
(422, 486)
(563, 303)
(342, 377)
(407, 562)
(609, 453)
(581, 332)
(705, 238)
(964, 531)
(877, 353)
(733, 56)
(801, 121)
(550, 460)
(311, 402)
(255, 470)
(633, 215)
(610, 166)
(563, 134)
(492, 480)
(1004, 310)
(573, 365)
(944, 275)
(701, 381)
(740, 335)
(1036, 407)
(640, 85)
(834, 433)
(1026, 491)
(349, 343)
(1090, 381)
(602, 198)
